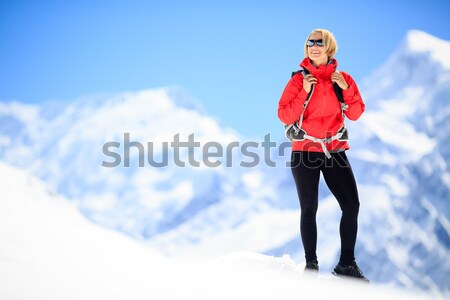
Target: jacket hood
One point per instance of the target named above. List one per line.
(323, 71)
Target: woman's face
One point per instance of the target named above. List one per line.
(316, 53)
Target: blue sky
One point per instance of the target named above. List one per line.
(235, 57)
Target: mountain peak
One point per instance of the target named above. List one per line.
(417, 41)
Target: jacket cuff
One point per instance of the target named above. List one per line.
(348, 93)
(302, 95)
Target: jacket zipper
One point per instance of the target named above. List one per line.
(321, 112)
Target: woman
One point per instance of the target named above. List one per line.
(323, 118)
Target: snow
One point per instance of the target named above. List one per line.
(391, 122)
(253, 180)
(260, 231)
(395, 185)
(50, 251)
(405, 137)
(419, 41)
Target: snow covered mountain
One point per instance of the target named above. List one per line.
(64, 146)
(408, 124)
(398, 153)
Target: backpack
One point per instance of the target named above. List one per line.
(294, 131)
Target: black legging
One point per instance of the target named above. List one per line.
(338, 175)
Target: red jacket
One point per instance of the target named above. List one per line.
(323, 115)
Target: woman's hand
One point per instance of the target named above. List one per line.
(308, 81)
(339, 79)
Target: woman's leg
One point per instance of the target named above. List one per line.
(339, 177)
(306, 172)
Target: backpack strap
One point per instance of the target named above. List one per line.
(336, 87)
(340, 96)
(338, 91)
(304, 72)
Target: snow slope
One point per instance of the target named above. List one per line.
(49, 251)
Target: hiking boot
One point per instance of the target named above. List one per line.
(312, 265)
(352, 271)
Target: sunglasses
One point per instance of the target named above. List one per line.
(311, 43)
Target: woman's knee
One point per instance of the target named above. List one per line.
(308, 210)
(350, 207)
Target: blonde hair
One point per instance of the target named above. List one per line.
(328, 40)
